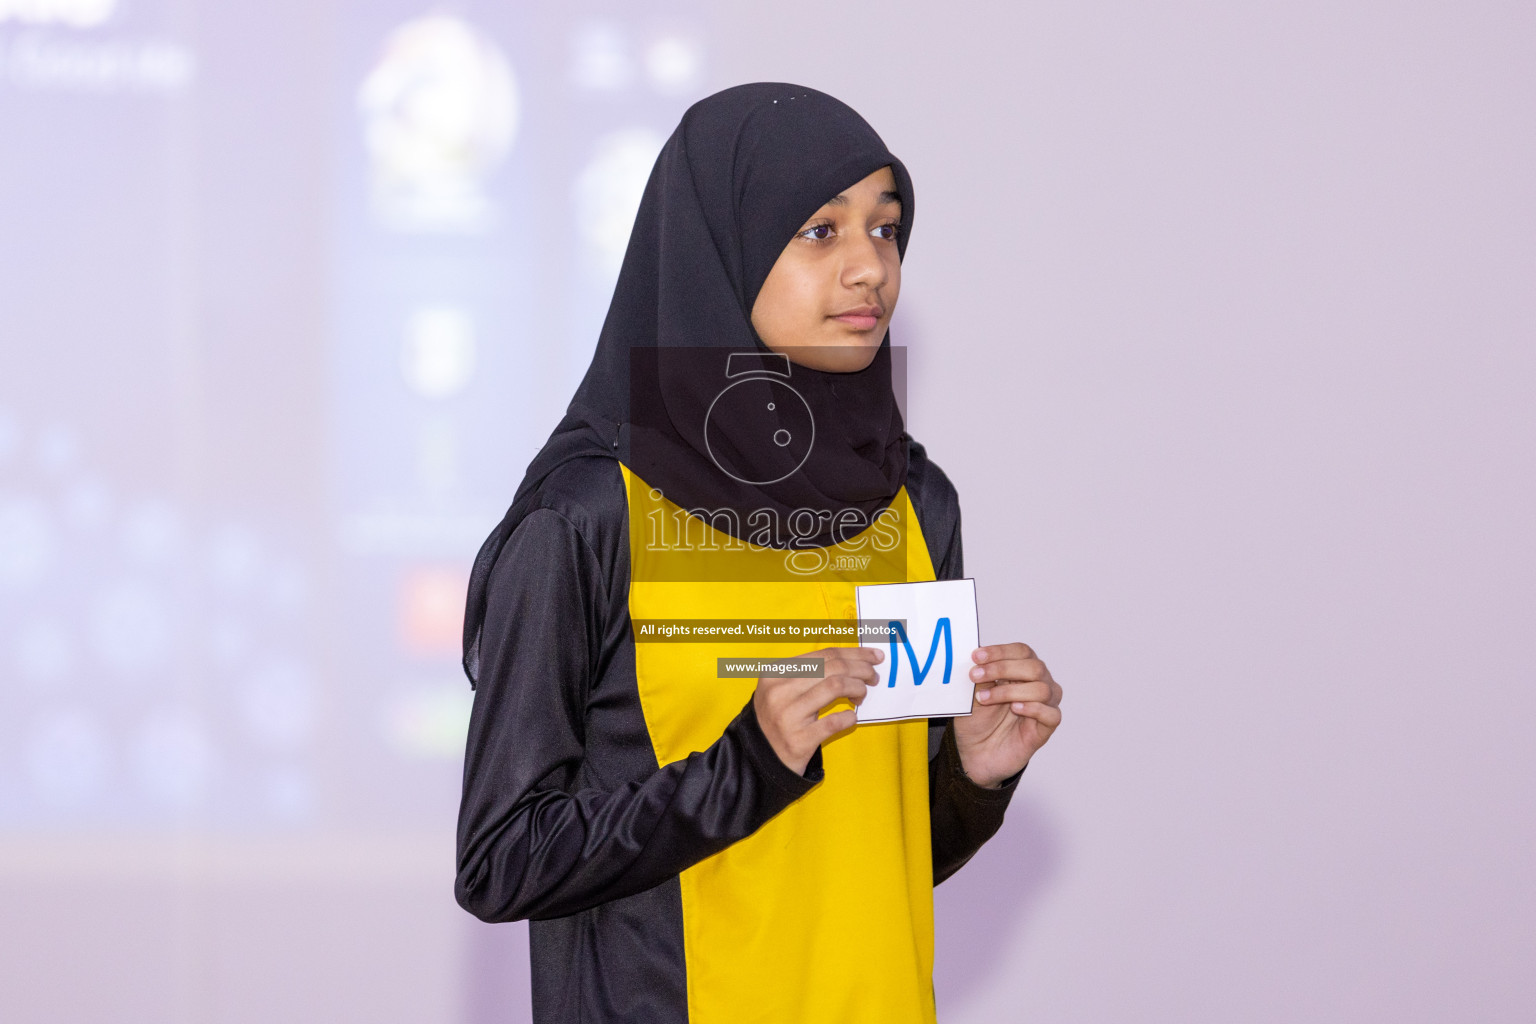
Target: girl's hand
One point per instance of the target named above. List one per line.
(1015, 709)
(789, 707)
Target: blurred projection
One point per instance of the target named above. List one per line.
(10, 438)
(57, 450)
(432, 610)
(438, 356)
(66, 758)
(279, 705)
(607, 193)
(429, 720)
(437, 456)
(87, 504)
(288, 793)
(287, 587)
(152, 533)
(600, 60)
(232, 576)
(228, 642)
(44, 652)
(27, 541)
(182, 650)
(131, 628)
(674, 64)
(173, 758)
(49, 61)
(440, 110)
(234, 558)
(68, 13)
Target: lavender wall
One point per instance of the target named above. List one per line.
(1221, 319)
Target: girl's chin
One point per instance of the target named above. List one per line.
(839, 358)
(853, 341)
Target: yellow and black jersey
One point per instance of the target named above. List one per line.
(625, 800)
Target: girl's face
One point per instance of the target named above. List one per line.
(829, 297)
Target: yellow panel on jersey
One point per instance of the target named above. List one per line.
(825, 914)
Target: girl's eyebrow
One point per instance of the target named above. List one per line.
(885, 197)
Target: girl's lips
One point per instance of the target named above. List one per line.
(858, 323)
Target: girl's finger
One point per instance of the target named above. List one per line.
(1003, 693)
(1022, 669)
(863, 668)
(1043, 713)
(1002, 652)
(870, 655)
(831, 689)
(835, 723)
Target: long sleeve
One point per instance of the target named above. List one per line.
(962, 815)
(537, 838)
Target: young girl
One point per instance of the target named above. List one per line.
(692, 848)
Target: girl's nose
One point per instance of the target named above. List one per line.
(864, 265)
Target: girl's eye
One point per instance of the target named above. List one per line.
(824, 232)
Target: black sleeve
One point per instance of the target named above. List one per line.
(962, 815)
(533, 842)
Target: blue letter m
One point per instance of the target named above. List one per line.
(922, 673)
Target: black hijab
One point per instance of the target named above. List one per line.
(745, 168)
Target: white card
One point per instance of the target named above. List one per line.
(927, 666)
